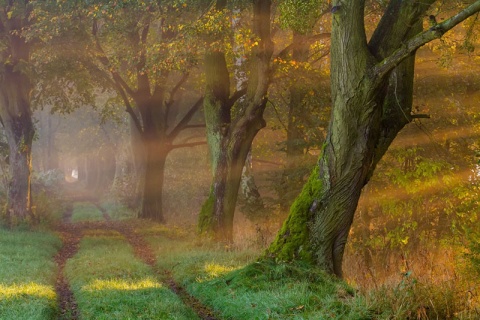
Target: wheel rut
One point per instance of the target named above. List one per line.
(71, 236)
(72, 233)
(144, 252)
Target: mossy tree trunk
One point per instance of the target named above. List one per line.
(371, 102)
(230, 138)
(15, 109)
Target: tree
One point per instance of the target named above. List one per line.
(15, 105)
(232, 123)
(372, 85)
(140, 51)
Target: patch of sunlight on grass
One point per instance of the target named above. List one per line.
(119, 284)
(27, 289)
(214, 270)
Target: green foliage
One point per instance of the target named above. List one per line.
(109, 282)
(301, 15)
(27, 275)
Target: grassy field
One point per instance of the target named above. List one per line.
(86, 211)
(27, 275)
(110, 283)
(238, 287)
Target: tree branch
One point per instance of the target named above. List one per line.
(188, 145)
(235, 96)
(307, 41)
(384, 67)
(175, 89)
(129, 109)
(106, 62)
(139, 43)
(420, 116)
(185, 120)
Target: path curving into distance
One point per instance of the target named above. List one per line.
(71, 235)
(145, 253)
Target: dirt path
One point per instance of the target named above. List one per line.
(72, 233)
(70, 236)
(144, 252)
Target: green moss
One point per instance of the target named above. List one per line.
(205, 219)
(292, 242)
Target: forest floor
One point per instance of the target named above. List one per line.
(97, 263)
(72, 233)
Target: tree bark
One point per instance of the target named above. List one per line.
(230, 139)
(152, 204)
(371, 99)
(16, 116)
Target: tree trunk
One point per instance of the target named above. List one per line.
(152, 202)
(230, 139)
(253, 206)
(218, 211)
(16, 116)
(371, 98)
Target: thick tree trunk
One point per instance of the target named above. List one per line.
(369, 109)
(230, 139)
(218, 211)
(16, 115)
(152, 202)
(253, 206)
(17, 120)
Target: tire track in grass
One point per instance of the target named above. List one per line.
(145, 253)
(71, 236)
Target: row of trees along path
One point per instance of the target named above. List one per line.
(71, 235)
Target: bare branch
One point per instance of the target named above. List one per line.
(235, 96)
(129, 109)
(185, 120)
(188, 145)
(420, 116)
(102, 57)
(175, 89)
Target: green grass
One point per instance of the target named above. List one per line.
(27, 275)
(86, 211)
(117, 211)
(237, 287)
(110, 283)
